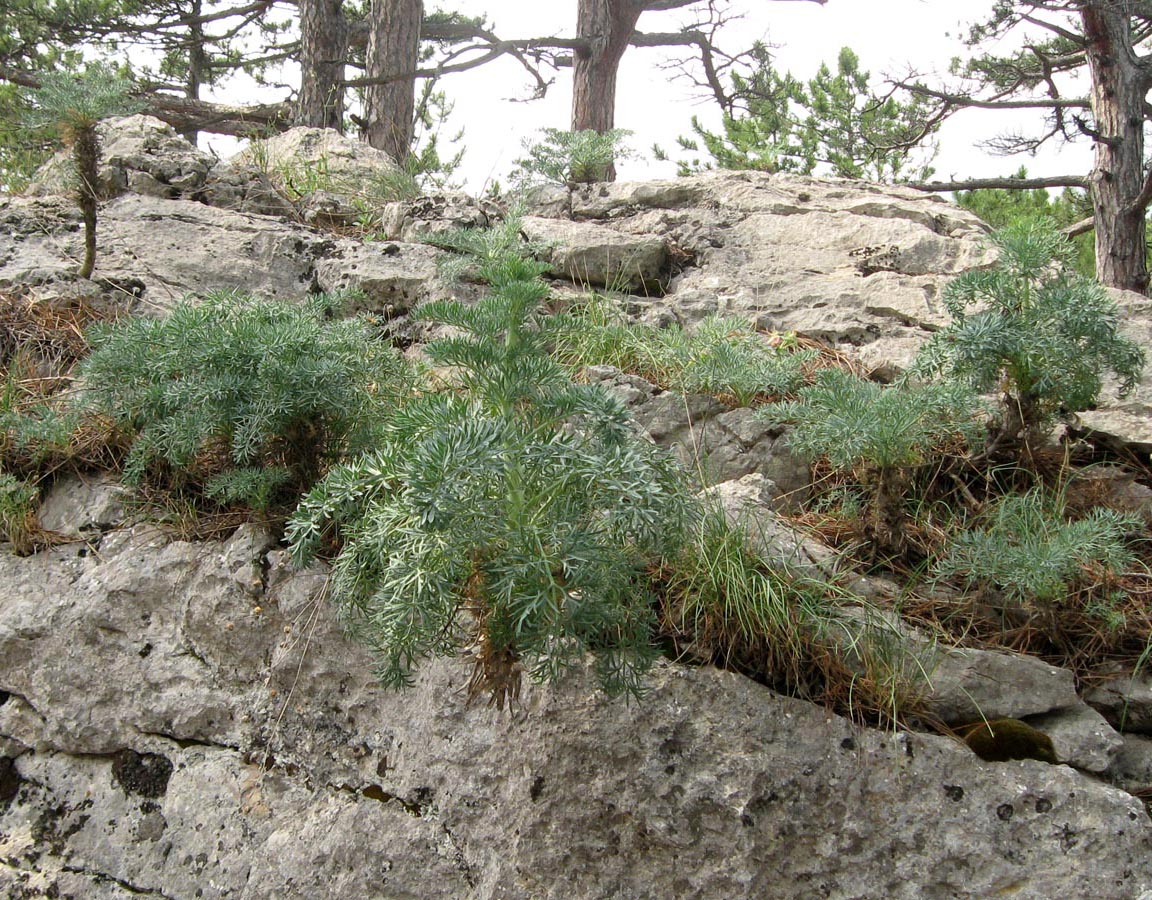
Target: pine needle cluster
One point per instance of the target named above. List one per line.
(571, 157)
(512, 516)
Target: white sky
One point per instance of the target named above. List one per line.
(889, 36)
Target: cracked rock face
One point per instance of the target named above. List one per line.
(188, 721)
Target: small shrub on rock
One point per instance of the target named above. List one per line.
(879, 434)
(1035, 331)
(1030, 553)
(513, 516)
(18, 522)
(239, 395)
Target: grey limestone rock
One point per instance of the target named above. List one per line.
(83, 504)
(189, 720)
(599, 256)
(321, 157)
(748, 502)
(719, 444)
(139, 154)
(393, 277)
(169, 250)
(968, 685)
(1081, 736)
(1125, 701)
(1131, 766)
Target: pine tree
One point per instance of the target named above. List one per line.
(72, 106)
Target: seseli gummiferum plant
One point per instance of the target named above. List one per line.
(242, 396)
(1035, 331)
(879, 434)
(723, 355)
(1030, 552)
(72, 106)
(513, 516)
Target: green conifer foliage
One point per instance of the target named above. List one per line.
(1035, 331)
(571, 157)
(72, 106)
(832, 124)
(512, 516)
(242, 395)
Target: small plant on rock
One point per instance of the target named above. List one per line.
(723, 355)
(1029, 552)
(513, 516)
(239, 395)
(570, 158)
(18, 523)
(1036, 332)
(72, 106)
(879, 434)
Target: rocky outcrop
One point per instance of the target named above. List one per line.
(165, 250)
(236, 745)
(187, 720)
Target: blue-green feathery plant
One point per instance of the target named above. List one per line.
(878, 433)
(244, 396)
(1029, 551)
(1035, 331)
(513, 516)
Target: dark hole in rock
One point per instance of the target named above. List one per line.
(145, 774)
(375, 792)
(10, 779)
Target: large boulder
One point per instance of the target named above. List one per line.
(166, 251)
(188, 720)
(320, 159)
(139, 154)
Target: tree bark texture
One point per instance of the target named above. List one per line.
(197, 60)
(607, 26)
(393, 54)
(1119, 86)
(323, 48)
(86, 156)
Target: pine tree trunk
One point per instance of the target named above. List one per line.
(393, 53)
(86, 155)
(323, 46)
(197, 61)
(606, 25)
(1118, 91)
